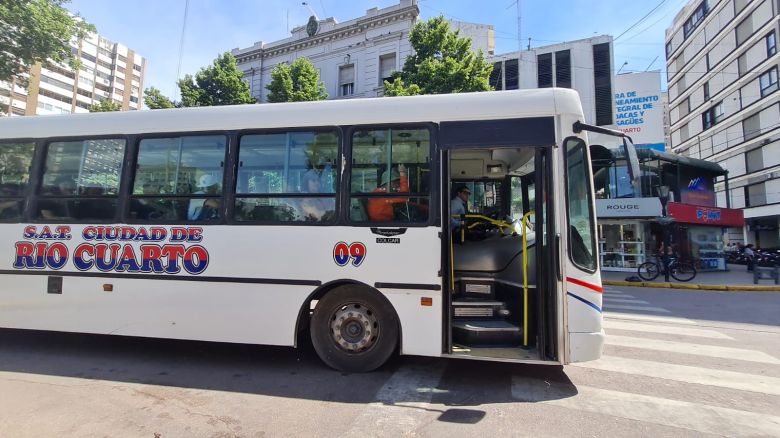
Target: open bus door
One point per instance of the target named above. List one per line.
(502, 300)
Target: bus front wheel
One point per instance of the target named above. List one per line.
(354, 328)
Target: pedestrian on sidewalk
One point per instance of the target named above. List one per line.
(750, 256)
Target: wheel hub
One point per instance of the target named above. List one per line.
(354, 327)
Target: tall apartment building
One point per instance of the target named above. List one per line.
(583, 65)
(722, 64)
(354, 57)
(108, 70)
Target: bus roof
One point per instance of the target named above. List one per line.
(429, 108)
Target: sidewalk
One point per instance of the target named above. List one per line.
(736, 278)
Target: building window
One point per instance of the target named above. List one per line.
(386, 68)
(744, 30)
(602, 75)
(563, 69)
(771, 44)
(496, 76)
(347, 80)
(742, 64)
(136, 67)
(695, 19)
(755, 195)
(751, 127)
(544, 71)
(88, 57)
(668, 49)
(754, 160)
(511, 74)
(706, 91)
(712, 116)
(121, 58)
(768, 82)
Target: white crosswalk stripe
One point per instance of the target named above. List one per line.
(400, 403)
(636, 308)
(655, 410)
(687, 374)
(636, 317)
(609, 300)
(662, 329)
(689, 348)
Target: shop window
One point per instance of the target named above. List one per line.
(287, 177)
(15, 161)
(81, 180)
(179, 179)
(390, 176)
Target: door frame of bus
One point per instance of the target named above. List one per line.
(536, 132)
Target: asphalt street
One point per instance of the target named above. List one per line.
(676, 363)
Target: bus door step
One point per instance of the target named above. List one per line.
(478, 308)
(486, 332)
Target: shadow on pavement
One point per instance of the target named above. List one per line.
(273, 371)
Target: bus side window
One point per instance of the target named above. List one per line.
(179, 179)
(81, 180)
(15, 161)
(287, 177)
(390, 175)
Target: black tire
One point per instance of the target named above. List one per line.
(648, 271)
(683, 271)
(374, 322)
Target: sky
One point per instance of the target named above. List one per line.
(153, 28)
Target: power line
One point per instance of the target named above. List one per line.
(641, 19)
(181, 40)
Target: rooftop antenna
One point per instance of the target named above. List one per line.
(181, 41)
(308, 6)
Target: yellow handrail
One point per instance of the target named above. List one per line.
(496, 222)
(526, 217)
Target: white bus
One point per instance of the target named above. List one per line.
(252, 224)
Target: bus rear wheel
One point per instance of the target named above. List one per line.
(354, 329)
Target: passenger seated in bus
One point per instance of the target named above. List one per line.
(381, 209)
(208, 208)
(459, 205)
(315, 209)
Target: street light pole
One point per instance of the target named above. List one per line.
(663, 192)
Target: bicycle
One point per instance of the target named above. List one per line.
(681, 271)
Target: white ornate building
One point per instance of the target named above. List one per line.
(353, 57)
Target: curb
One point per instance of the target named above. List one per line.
(690, 286)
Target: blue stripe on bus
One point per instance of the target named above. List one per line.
(598, 309)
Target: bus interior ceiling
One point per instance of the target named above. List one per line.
(491, 314)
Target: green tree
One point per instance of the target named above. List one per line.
(297, 82)
(33, 31)
(221, 83)
(442, 63)
(154, 99)
(105, 106)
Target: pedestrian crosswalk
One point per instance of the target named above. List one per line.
(647, 344)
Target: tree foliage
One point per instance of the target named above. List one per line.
(221, 83)
(105, 106)
(442, 63)
(154, 99)
(33, 31)
(296, 82)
